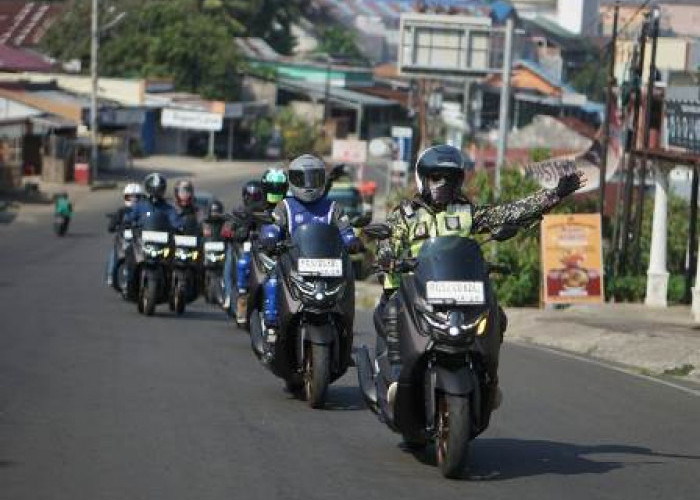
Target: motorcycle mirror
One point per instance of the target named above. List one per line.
(378, 231)
(337, 172)
(504, 232)
(361, 220)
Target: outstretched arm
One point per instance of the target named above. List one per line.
(528, 209)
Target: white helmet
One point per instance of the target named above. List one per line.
(307, 178)
(132, 193)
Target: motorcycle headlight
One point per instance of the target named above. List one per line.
(153, 250)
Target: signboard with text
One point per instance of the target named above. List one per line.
(191, 120)
(572, 259)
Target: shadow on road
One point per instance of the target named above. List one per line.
(344, 398)
(501, 459)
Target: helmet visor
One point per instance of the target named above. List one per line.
(307, 179)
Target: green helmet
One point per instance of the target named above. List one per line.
(274, 184)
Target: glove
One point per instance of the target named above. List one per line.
(356, 246)
(385, 256)
(569, 184)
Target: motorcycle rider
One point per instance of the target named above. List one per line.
(133, 194)
(308, 204)
(214, 221)
(440, 209)
(155, 186)
(186, 208)
(273, 188)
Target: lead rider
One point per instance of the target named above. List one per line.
(440, 209)
(307, 205)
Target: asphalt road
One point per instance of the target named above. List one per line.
(98, 402)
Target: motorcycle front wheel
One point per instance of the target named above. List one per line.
(147, 300)
(317, 374)
(453, 434)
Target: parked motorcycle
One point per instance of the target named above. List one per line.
(148, 262)
(449, 321)
(309, 346)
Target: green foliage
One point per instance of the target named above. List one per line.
(634, 288)
(522, 253)
(188, 40)
(591, 79)
(177, 38)
(540, 154)
(299, 137)
(339, 41)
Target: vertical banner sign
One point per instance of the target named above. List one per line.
(572, 259)
(402, 138)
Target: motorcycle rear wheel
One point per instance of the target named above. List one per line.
(317, 374)
(453, 434)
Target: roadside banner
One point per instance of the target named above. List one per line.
(548, 172)
(349, 151)
(572, 259)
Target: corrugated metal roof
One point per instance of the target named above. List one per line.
(24, 23)
(342, 96)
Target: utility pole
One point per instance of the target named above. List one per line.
(327, 94)
(505, 105)
(629, 180)
(608, 110)
(655, 14)
(692, 239)
(94, 46)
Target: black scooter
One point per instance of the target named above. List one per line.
(449, 325)
(186, 271)
(123, 239)
(148, 262)
(310, 347)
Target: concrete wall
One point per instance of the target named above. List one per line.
(127, 92)
(10, 109)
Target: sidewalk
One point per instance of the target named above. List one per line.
(650, 341)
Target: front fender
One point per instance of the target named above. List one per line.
(323, 334)
(458, 382)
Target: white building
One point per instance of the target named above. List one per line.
(577, 16)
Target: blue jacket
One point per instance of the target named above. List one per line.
(291, 213)
(144, 207)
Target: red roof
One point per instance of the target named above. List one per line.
(17, 60)
(23, 23)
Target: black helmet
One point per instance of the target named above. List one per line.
(274, 185)
(155, 185)
(253, 194)
(440, 173)
(216, 209)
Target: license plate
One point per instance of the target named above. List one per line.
(128, 234)
(325, 268)
(214, 246)
(185, 241)
(154, 237)
(460, 292)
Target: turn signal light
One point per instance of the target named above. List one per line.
(481, 326)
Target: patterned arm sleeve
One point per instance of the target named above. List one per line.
(519, 213)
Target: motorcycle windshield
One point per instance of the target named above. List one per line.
(318, 241)
(451, 270)
(318, 250)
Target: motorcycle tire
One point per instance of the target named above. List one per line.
(317, 374)
(179, 299)
(147, 300)
(453, 416)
